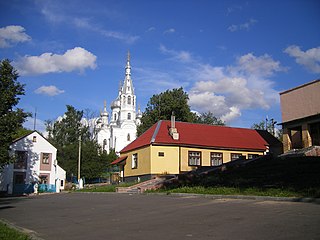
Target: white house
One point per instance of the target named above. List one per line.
(36, 162)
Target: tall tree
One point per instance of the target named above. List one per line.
(11, 118)
(209, 118)
(161, 106)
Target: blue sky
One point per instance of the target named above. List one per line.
(232, 57)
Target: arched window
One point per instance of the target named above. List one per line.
(129, 116)
(115, 117)
(124, 99)
(129, 100)
(128, 137)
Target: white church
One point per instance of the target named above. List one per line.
(117, 130)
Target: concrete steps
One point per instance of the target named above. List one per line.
(143, 186)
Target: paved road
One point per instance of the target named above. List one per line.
(121, 216)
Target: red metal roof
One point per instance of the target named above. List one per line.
(118, 160)
(202, 135)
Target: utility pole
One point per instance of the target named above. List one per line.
(79, 159)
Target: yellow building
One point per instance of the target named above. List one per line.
(172, 148)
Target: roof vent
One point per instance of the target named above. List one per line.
(172, 130)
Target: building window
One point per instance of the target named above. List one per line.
(61, 183)
(216, 158)
(194, 158)
(129, 116)
(115, 117)
(134, 161)
(128, 137)
(124, 100)
(34, 139)
(44, 179)
(161, 154)
(253, 156)
(129, 100)
(235, 156)
(21, 160)
(46, 158)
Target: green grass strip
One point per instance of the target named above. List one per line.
(273, 192)
(8, 233)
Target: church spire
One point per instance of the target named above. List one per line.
(127, 84)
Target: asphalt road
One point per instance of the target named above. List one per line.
(121, 216)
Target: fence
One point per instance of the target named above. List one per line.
(46, 188)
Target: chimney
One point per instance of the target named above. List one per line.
(172, 130)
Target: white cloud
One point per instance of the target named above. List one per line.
(243, 26)
(310, 59)
(12, 34)
(170, 30)
(263, 66)
(54, 14)
(73, 59)
(86, 24)
(226, 91)
(181, 56)
(150, 29)
(49, 90)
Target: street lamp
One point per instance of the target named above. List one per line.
(79, 158)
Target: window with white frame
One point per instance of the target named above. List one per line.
(216, 158)
(253, 156)
(194, 158)
(21, 160)
(129, 100)
(134, 160)
(129, 116)
(45, 158)
(235, 156)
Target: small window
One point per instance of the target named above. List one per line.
(115, 117)
(161, 154)
(129, 100)
(253, 156)
(34, 139)
(45, 158)
(235, 156)
(124, 100)
(129, 116)
(134, 161)
(128, 137)
(61, 183)
(194, 158)
(216, 158)
(44, 179)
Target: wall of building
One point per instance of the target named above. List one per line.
(144, 163)
(166, 164)
(205, 156)
(175, 160)
(300, 102)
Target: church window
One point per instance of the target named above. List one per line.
(128, 137)
(115, 117)
(129, 116)
(129, 100)
(124, 100)
(128, 88)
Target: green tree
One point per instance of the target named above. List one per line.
(64, 134)
(160, 107)
(11, 118)
(209, 118)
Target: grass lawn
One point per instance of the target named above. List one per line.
(9, 233)
(106, 188)
(291, 177)
(272, 192)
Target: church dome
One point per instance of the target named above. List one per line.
(115, 104)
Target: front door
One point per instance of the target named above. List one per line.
(19, 182)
